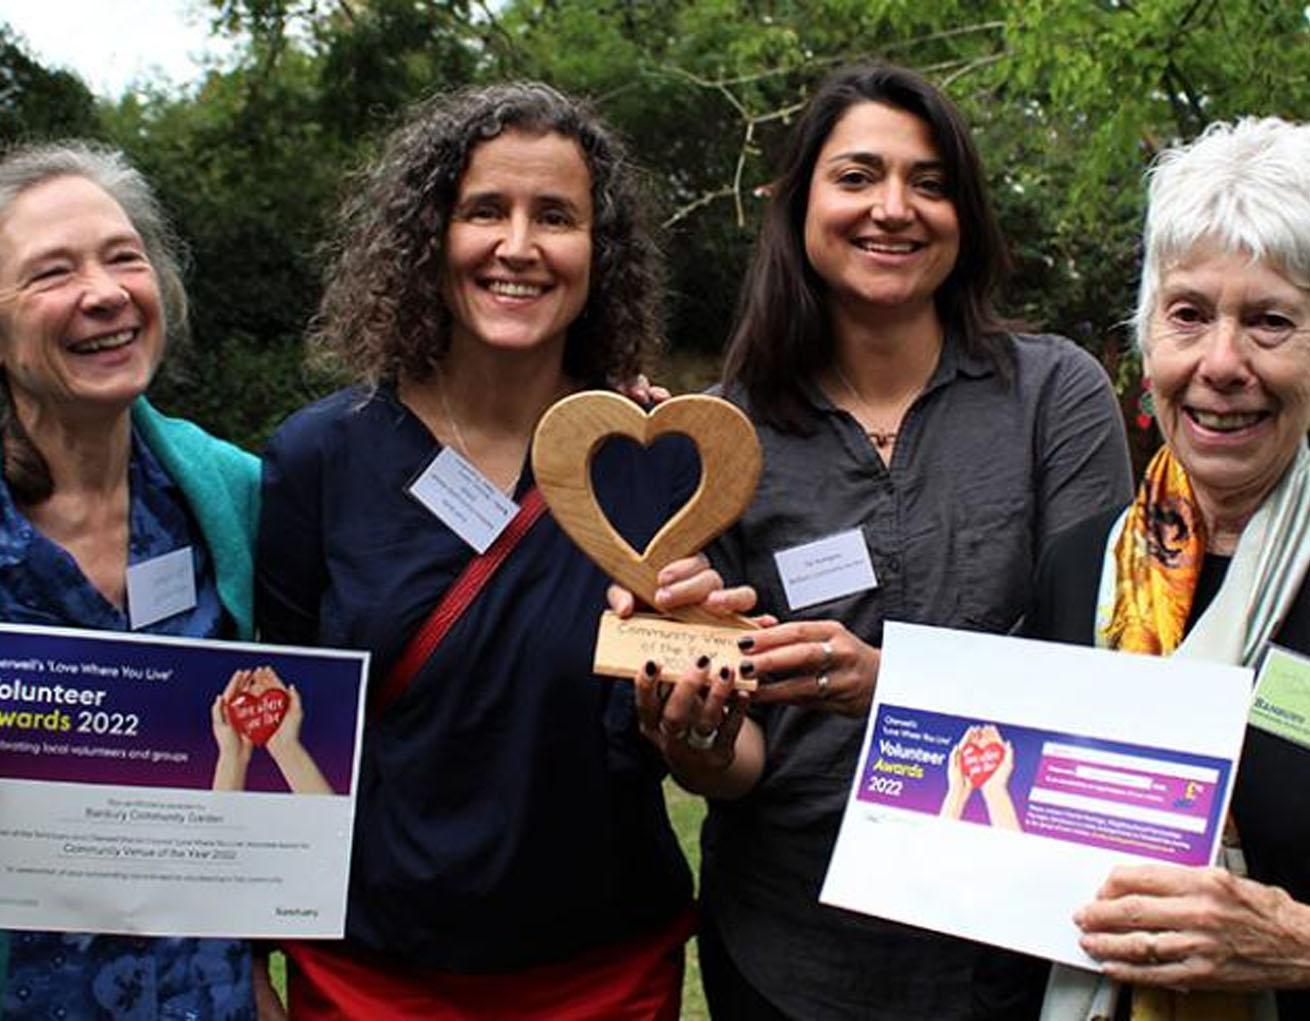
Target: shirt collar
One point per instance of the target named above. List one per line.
(955, 361)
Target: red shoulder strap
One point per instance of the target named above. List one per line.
(451, 606)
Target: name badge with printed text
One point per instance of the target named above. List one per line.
(826, 569)
(1282, 696)
(463, 499)
(160, 587)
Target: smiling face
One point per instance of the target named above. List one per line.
(518, 248)
(1229, 362)
(880, 227)
(81, 323)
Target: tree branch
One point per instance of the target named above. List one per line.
(685, 211)
(969, 68)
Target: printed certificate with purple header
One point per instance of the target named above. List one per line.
(167, 786)
(1002, 779)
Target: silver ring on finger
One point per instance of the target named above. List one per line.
(826, 665)
(822, 682)
(701, 740)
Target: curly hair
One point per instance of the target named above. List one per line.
(383, 315)
(25, 167)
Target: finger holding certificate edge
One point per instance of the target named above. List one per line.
(1196, 929)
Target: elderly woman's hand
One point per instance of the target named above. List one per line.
(1196, 929)
(824, 666)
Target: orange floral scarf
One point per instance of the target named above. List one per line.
(1158, 559)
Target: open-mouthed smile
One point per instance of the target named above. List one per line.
(888, 247)
(1226, 421)
(515, 288)
(104, 342)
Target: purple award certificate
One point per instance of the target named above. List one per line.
(1021, 772)
(166, 786)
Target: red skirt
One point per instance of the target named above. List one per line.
(638, 980)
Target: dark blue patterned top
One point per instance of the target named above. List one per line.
(125, 978)
(40, 582)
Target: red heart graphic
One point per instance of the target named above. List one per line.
(257, 716)
(980, 761)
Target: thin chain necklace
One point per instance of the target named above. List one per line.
(460, 442)
(450, 416)
(880, 438)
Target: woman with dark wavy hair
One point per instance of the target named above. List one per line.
(512, 855)
(914, 441)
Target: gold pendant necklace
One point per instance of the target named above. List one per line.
(880, 438)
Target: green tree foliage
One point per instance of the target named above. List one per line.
(1069, 102)
(252, 166)
(37, 103)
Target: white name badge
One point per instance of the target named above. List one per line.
(463, 499)
(825, 569)
(160, 587)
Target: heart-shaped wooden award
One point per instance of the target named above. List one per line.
(566, 440)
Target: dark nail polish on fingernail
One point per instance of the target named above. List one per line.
(702, 663)
(650, 668)
(724, 672)
(747, 668)
(746, 644)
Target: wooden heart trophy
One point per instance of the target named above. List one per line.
(566, 440)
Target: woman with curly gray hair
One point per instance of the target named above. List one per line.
(512, 855)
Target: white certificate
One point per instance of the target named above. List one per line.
(163, 786)
(1002, 779)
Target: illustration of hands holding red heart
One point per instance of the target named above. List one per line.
(981, 761)
(257, 710)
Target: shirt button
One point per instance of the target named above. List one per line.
(894, 564)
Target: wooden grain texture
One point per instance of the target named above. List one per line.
(571, 432)
(623, 646)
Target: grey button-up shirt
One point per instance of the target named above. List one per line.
(985, 470)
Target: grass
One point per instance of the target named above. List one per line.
(686, 812)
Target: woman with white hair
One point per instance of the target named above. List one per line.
(1210, 561)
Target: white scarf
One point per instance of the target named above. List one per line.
(1264, 578)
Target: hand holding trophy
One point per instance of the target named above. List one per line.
(566, 440)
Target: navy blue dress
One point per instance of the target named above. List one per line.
(509, 813)
(85, 976)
